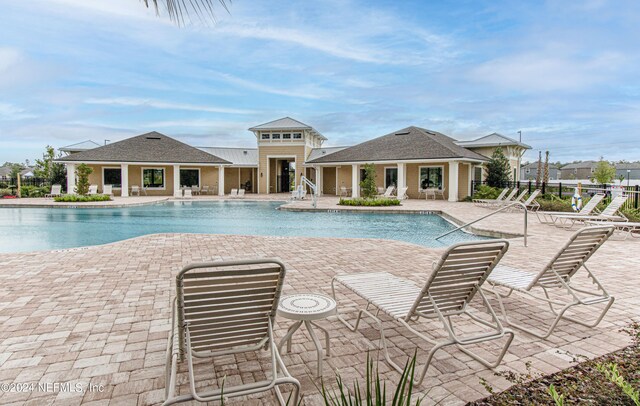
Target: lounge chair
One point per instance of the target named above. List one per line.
(557, 276)
(498, 200)
(380, 190)
(435, 192)
(56, 190)
(234, 193)
(402, 193)
(530, 204)
(222, 309)
(241, 193)
(547, 217)
(454, 281)
(610, 213)
(388, 192)
(107, 190)
(187, 193)
(93, 190)
(627, 228)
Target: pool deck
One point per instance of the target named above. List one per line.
(100, 315)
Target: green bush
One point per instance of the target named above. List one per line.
(34, 191)
(486, 192)
(368, 184)
(359, 201)
(632, 214)
(555, 204)
(5, 192)
(81, 199)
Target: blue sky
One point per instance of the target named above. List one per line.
(566, 73)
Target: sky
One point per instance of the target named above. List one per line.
(565, 73)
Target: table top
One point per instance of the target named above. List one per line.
(306, 306)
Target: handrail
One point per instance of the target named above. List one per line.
(491, 214)
(313, 187)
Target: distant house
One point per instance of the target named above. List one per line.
(530, 172)
(628, 170)
(79, 147)
(578, 170)
(512, 149)
(5, 172)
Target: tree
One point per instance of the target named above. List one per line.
(368, 184)
(179, 9)
(16, 169)
(604, 172)
(545, 178)
(539, 170)
(45, 168)
(82, 172)
(498, 169)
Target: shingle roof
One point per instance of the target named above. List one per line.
(318, 152)
(492, 140)
(237, 156)
(628, 165)
(534, 165)
(5, 171)
(580, 165)
(80, 146)
(286, 123)
(407, 144)
(150, 147)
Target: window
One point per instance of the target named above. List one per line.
(265, 136)
(153, 178)
(112, 176)
(275, 136)
(390, 177)
(431, 177)
(189, 177)
(297, 136)
(286, 136)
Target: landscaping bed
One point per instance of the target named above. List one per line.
(587, 383)
(81, 198)
(359, 201)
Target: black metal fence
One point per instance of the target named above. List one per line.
(567, 189)
(11, 184)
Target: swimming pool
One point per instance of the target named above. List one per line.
(34, 229)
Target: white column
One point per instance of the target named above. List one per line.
(469, 179)
(176, 181)
(453, 181)
(355, 181)
(319, 180)
(402, 176)
(124, 175)
(220, 180)
(71, 179)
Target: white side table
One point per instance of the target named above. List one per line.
(306, 308)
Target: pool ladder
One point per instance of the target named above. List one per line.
(524, 208)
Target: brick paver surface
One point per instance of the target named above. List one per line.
(100, 315)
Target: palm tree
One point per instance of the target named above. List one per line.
(179, 9)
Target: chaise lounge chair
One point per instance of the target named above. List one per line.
(240, 194)
(610, 213)
(222, 309)
(93, 190)
(402, 193)
(530, 204)
(388, 192)
(497, 201)
(557, 276)
(56, 190)
(627, 228)
(187, 193)
(547, 217)
(107, 190)
(234, 193)
(455, 280)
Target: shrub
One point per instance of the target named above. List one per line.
(33, 191)
(359, 201)
(81, 199)
(632, 214)
(498, 169)
(83, 171)
(555, 204)
(368, 184)
(5, 192)
(486, 192)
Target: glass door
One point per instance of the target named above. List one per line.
(390, 177)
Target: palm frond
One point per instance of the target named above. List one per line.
(180, 11)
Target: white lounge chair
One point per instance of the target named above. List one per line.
(627, 228)
(388, 192)
(56, 190)
(107, 190)
(241, 193)
(402, 193)
(556, 276)
(547, 217)
(93, 190)
(380, 190)
(222, 309)
(530, 204)
(610, 213)
(448, 289)
(497, 201)
(234, 193)
(187, 193)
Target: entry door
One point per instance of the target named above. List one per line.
(284, 177)
(390, 177)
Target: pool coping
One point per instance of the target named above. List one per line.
(80, 205)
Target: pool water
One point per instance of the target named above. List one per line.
(33, 229)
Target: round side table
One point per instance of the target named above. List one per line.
(307, 308)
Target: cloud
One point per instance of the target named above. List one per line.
(11, 112)
(158, 104)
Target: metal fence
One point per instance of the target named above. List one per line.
(567, 189)
(12, 183)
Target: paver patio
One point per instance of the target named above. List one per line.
(100, 315)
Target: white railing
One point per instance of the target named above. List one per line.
(314, 189)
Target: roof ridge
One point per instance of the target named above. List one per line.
(430, 134)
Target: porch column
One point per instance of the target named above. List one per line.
(71, 179)
(355, 181)
(124, 181)
(220, 180)
(319, 180)
(469, 179)
(176, 181)
(453, 181)
(402, 176)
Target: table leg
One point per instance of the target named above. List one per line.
(317, 343)
(287, 337)
(326, 338)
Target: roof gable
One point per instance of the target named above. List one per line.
(80, 146)
(282, 123)
(149, 147)
(411, 143)
(492, 140)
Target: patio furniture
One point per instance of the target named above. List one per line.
(93, 190)
(343, 191)
(547, 217)
(240, 194)
(222, 309)
(234, 193)
(402, 193)
(135, 190)
(307, 308)
(56, 190)
(195, 190)
(556, 276)
(610, 213)
(628, 228)
(422, 192)
(205, 190)
(107, 190)
(187, 193)
(530, 204)
(388, 192)
(485, 202)
(380, 190)
(434, 192)
(449, 288)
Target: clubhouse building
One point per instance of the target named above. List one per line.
(413, 157)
